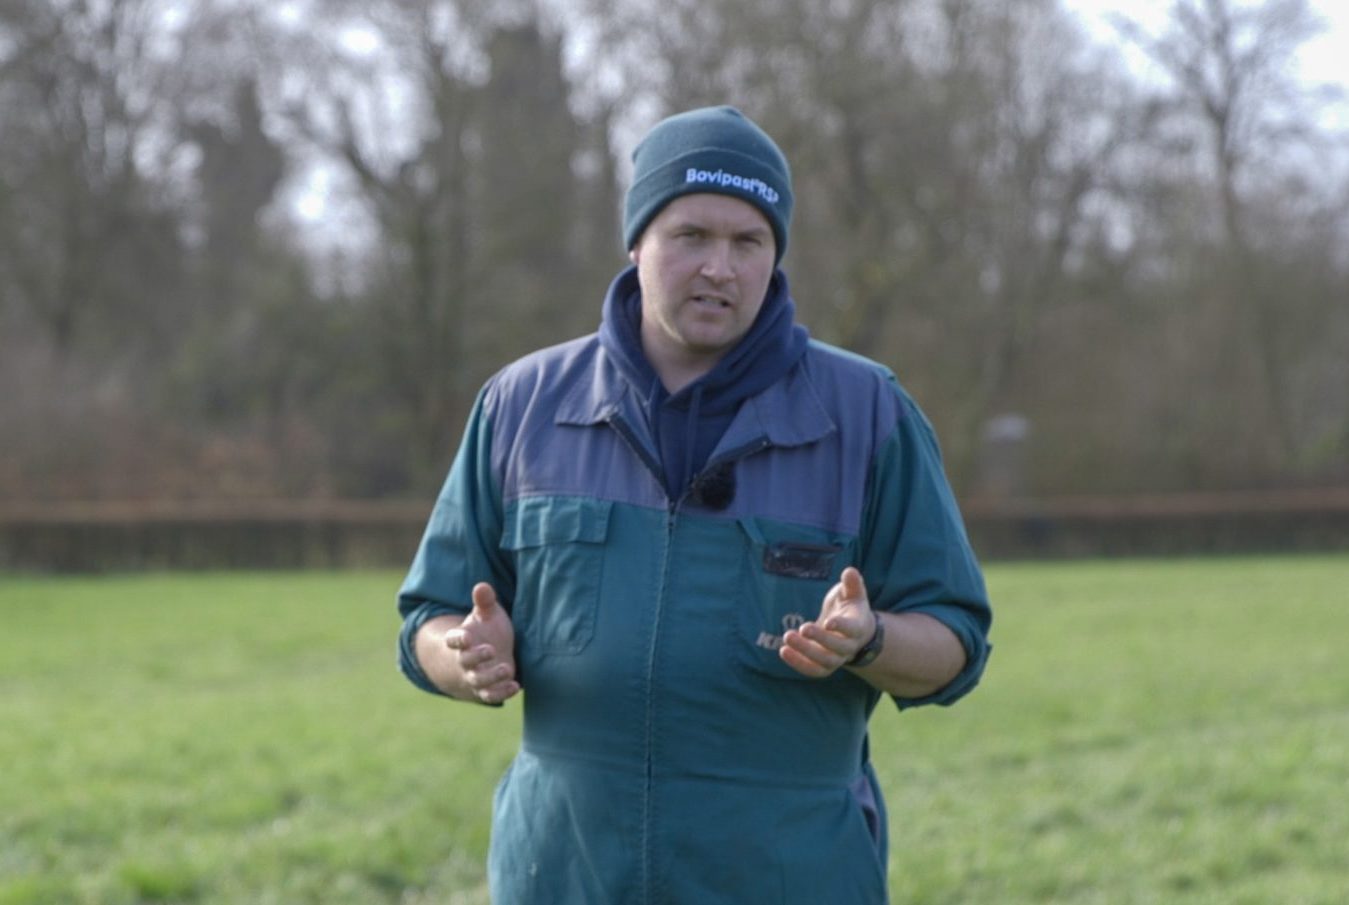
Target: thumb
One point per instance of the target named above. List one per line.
(484, 601)
(853, 586)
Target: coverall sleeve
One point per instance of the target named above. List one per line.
(460, 546)
(915, 555)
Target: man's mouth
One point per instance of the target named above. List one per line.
(712, 300)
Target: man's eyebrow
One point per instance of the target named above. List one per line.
(758, 229)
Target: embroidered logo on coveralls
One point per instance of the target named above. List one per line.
(772, 642)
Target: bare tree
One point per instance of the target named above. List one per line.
(419, 203)
(1230, 66)
(85, 223)
(950, 159)
(471, 188)
(1154, 276)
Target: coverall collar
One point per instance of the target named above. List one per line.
(788, 413)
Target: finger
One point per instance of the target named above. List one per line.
(499, 692)
(493, 685)
(489, 675)
(853, 586)
(802, 663)
(825, 657)
(838, 636)
(853, 628)
(477, 657)
(484, 600)
(848, 603)
(462, 639)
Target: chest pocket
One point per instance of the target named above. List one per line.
(789, 569)
(558, 546)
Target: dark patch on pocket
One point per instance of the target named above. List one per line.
(812, 561)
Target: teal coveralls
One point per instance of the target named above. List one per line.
(668, 754)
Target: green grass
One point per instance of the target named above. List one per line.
(1148, 732)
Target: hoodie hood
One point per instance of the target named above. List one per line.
(687, 425)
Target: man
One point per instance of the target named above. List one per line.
(704, 545)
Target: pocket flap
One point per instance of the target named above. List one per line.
(536, 521)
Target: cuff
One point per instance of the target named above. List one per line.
(407, 654)
(977, 649)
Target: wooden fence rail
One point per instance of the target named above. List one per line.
(253, 534)
(1162, 525)
(110, 536)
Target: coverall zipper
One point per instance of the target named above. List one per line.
(671, 523)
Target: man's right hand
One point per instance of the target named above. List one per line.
(481, 650)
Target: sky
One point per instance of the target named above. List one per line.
(1325, 59)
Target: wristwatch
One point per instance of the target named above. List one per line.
(867, 653)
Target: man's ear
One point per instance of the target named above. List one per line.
(632, 252)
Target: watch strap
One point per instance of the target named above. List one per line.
(867, 653)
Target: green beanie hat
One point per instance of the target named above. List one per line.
(712, 149)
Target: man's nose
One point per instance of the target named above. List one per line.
(717, 263)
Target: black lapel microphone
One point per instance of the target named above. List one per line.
(715, 487)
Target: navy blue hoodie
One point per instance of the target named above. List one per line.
(687, 425)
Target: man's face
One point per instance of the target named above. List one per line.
(703, 263)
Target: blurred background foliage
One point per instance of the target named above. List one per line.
(259, 249)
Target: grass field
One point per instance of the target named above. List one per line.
(1171, 732)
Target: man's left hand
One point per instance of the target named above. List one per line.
(845, 624)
